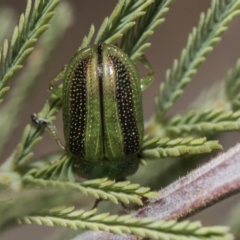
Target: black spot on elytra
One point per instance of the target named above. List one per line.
(78, 108)
(126, 110)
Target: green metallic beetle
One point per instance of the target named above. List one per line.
(102, 112)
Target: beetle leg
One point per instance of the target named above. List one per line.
(50, 127)
(57, 91)
(97, 201)
(53, 88)
(147, 80)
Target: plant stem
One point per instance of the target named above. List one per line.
(211, 183)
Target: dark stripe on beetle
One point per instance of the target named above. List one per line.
(126, 110)
(78, 108)
(100, 79)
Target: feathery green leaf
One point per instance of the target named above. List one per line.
(87, 39)
(165, 147)
(99, 188)
(60, 170)
(24, 36)
(145, 227)
(123, 18)
(38, 61)
(134, 41)
(200, 43)
(204, 122)
(21, 203)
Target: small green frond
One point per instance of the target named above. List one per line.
(102, 29)
(87, 39)
(18, 204)
(3, 91)
(38, 61)
(7, 19)
(200, 43)
(233, 86)
(134, 41)
(24, 36)
(164, 147)
(144, 227)
(60, 170)
(19, 151)
(204, 122)
(34, 132)
(123, 18)
(99, 188)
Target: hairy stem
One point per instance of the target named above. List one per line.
(211, 183)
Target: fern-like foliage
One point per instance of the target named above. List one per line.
(164, 147)
(144, 227)
(134, 41)
(14, 205)
(60, 170)
(87, 39)
(27, 79)
(123, 18)
(233, 86)
(99, 188)
(200, 43)
(204, 122)
(32, 24)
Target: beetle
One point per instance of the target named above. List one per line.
(102, 112)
